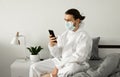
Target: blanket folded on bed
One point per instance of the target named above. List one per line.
(107, 68)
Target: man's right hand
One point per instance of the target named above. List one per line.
(52, 41)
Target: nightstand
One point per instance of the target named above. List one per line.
(20, 68)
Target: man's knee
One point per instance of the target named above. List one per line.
(65, 72)
(33, 66)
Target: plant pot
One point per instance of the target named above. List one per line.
(34, 58)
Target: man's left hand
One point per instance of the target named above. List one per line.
(54, 72)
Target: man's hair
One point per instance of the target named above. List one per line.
(75, 13)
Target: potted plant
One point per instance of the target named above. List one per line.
(34, 57)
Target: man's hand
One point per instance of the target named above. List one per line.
(52, 41)
(54, 72)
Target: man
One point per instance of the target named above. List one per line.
(71, 51)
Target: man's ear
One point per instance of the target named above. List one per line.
(78, 20)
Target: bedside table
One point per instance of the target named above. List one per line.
(20, 68)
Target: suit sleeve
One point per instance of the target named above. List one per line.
(56, 51)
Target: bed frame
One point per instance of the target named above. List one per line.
(108, 46)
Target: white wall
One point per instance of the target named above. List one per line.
(33, 18)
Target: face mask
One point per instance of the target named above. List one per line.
(69, 25)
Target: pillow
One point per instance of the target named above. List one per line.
(94, 52)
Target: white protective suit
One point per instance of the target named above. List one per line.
(71, 54)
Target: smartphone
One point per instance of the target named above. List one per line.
(51, 32)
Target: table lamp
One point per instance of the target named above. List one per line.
(16, 41)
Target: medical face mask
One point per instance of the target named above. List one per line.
(69, 25)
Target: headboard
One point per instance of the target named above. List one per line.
(109, 46)
(108, 49)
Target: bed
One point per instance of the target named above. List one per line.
(101, 69)
(107, 66)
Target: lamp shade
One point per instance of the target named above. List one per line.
(15, 41)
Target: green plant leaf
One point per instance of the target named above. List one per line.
(35, 50)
